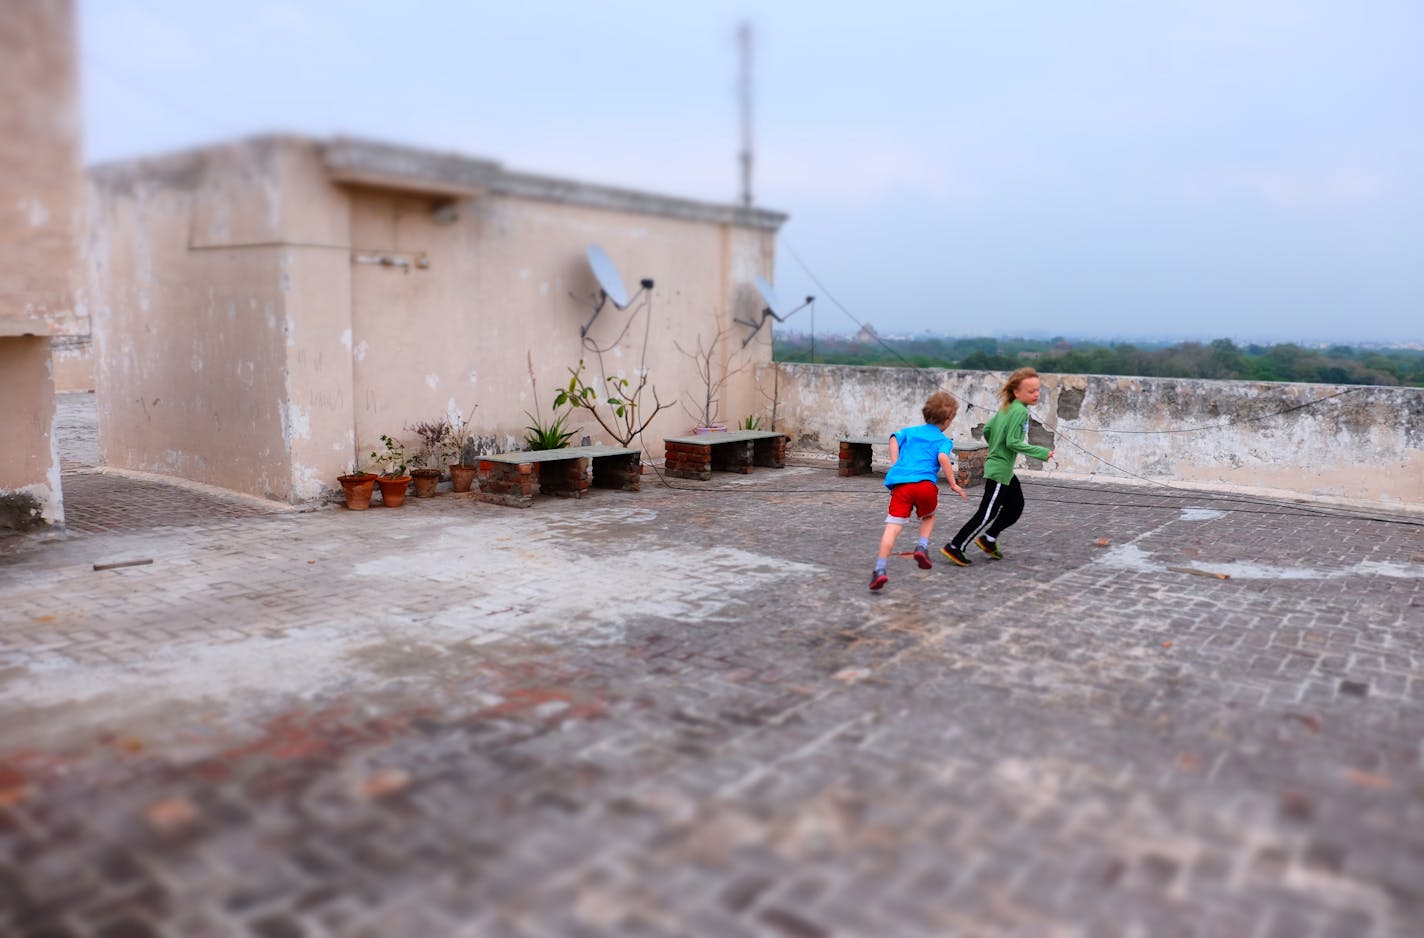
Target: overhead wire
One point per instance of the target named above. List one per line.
(1265, 505)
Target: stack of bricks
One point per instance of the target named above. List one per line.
(568, 478)
(506, 484)
(971, 464)
(733, 457)
(688, 461)
(770, 452)
(618, 472)
(855, 458)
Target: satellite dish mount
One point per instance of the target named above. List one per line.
(771, 310)
(610, 285)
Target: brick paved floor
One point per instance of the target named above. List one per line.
(682, 713)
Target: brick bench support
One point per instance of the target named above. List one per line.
(857, 455)
(515, 478)
(698, 456)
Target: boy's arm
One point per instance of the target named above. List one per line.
(947, 465)
(894, 449)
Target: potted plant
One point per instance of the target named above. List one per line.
(457, 440)
(425, 472)
(750, 422)
(708, 414)
(358, 487)
(394, 480)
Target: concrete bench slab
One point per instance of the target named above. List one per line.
(514, 478)
(697, 455)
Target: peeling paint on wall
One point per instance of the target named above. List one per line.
(1356, 444)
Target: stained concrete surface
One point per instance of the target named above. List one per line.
(680, 712)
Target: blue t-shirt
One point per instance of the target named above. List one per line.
(919, 455)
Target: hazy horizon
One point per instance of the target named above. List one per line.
(1213, 168)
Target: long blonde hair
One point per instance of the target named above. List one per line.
(1011, 386)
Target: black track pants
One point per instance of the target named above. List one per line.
(998, 509)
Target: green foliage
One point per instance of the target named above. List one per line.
(620, 396)
(552, 435)
(750, 422)
(1221, 359)
(392, 458)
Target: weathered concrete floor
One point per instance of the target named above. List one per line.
(681, 713)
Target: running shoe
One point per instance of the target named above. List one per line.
(955, 555)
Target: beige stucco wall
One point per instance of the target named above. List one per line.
(1362, 445)
(188, 318)
(39, 169)
(29, 466)
(39, 206)
(73, 359)
(509, 282)
(248, 334)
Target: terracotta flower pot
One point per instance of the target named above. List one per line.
(393, 491)
(462, 477)
(358, 487)
(425, 481)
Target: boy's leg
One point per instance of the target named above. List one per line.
(887, 540)
(895, 519)
(926, 504)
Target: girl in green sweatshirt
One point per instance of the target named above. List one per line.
(1007, 435)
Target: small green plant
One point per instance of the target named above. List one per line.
(392, 458)
(552, 435)
(750, 422)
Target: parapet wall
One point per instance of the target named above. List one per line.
(1351, 443)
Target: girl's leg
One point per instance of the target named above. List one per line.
(983, 516)
(1012, 509)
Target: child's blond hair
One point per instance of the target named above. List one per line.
(940, 408)
(1006, 393)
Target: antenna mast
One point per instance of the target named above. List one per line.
(744, 44)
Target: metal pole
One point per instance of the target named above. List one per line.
(744, 41)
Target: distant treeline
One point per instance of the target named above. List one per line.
(1222, 359)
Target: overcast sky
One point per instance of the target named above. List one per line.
(1252, 169)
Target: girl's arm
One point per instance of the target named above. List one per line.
(1017, 440)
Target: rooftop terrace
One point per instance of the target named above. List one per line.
(680, 712)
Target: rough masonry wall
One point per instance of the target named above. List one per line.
(1352, 443)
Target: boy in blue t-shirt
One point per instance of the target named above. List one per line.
(918, 454)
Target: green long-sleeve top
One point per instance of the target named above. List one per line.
(1007, 435)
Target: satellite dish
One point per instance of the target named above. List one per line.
(610, 283)
(769, 295)
(607, 276)
(773, 310)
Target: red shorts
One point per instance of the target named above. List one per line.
(921, 496)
